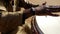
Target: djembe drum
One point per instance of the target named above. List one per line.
(46, 25)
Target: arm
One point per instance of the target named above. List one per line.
(31, 12)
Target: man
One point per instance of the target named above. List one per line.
(10, 22)
(23, 4)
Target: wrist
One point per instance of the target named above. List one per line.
(32, 10)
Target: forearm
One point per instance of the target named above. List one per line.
(33, 11)
(27, 13)
(30, 12)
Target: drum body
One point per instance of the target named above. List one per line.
(48, 24)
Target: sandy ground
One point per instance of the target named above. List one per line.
(49, 2)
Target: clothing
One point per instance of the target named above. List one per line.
(7, 5)
(23, 4)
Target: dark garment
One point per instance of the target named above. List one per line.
(7, 5)
(22, 3)
(27, 15)
(10, 23)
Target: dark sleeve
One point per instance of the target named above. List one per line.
(28, 13)
(7, 5)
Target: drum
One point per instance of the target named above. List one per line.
(48, 24)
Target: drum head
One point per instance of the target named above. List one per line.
(49, 24)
